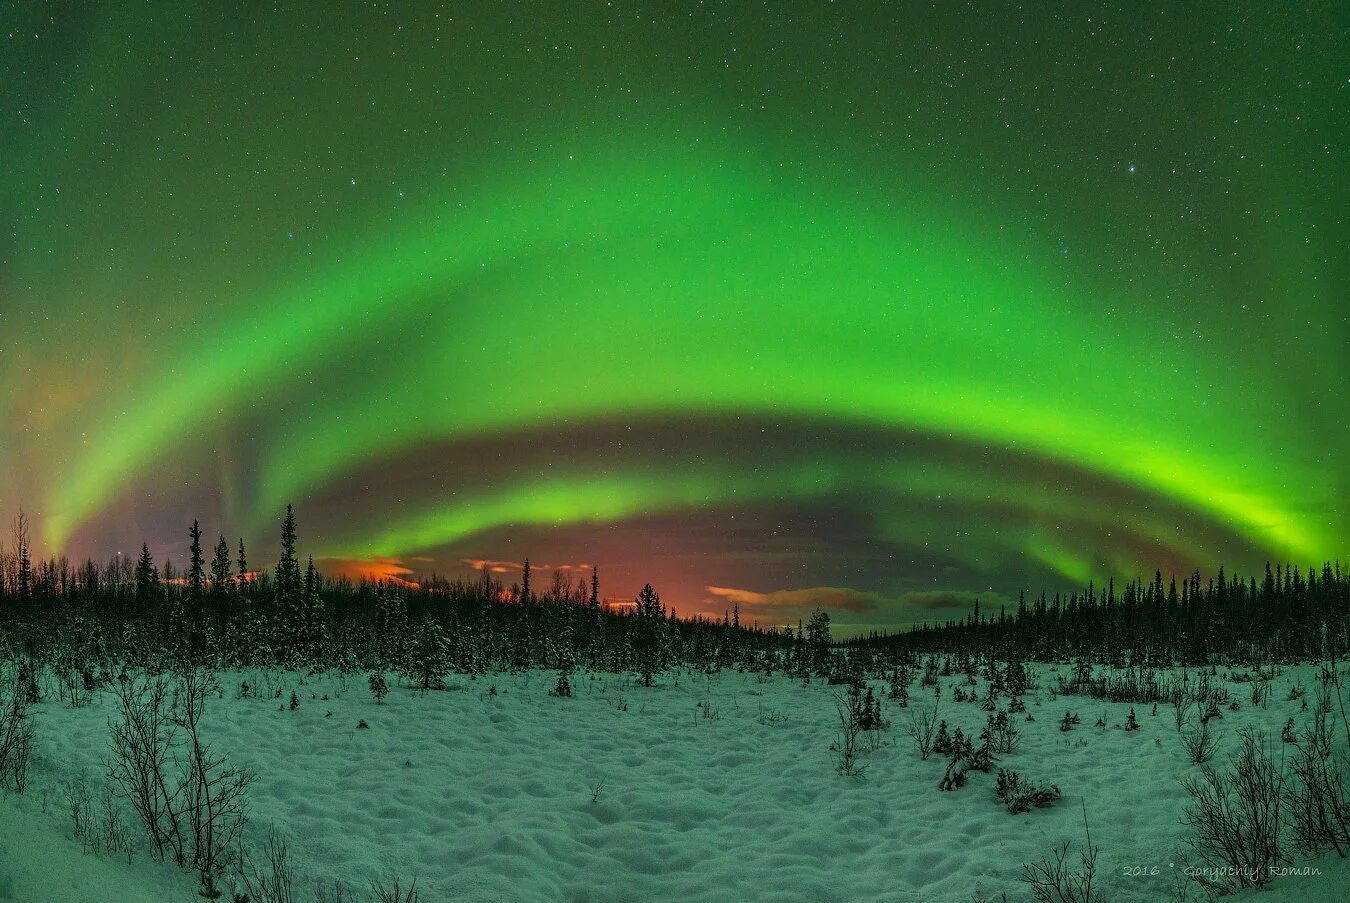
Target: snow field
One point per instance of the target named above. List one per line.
(703, 788)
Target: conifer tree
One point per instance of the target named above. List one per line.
(525, 582)
(311, 608)
(243, 568)
(147, 575)
(196, 576)
(24, 575)
(221, 578)
(288, 567)
(428, 658)
(649, 634)
(818, 642)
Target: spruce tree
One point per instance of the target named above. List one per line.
(311, 637)
(818, 642)
(222, 580)
(196, 576)
(244, 581)
(24, 575)
(147, 575)
(288, 568)
(649, 640)
(525, 582)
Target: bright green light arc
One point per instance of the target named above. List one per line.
(805, 307)
(580, 496)
(309, 318)
(692, 286)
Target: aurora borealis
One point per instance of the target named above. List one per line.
(878, 307)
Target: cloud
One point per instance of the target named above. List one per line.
(830, 597)
(850, 607)
(498, 566)
(492, 564)
(375, 569)
(947, 598)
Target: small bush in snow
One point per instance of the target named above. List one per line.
(1200, 743)
(1003, 736)
(964, 757)
(981, 758)
(990, 699)
(942, 742)
(922, 722)
(1021, 795)
(848, 748)
(869, 710)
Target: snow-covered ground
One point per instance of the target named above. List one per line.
(703, 788)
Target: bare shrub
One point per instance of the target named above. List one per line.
(333, 892)
(214, 803)
(274, 880)
(114, 831)
(1054, 879)
(191, 801)
(100, 829)
(1318, 793)
(1200, 743)
(78, 803)
(922, 727)
(392, 891)
(1236, 813)
(1182, 702)
(143, 739)
(17, 735)
(847, 748)
(75, 682)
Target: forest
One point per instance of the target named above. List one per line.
(224, 613)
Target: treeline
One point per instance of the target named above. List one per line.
(1285, 615)
(219, 611)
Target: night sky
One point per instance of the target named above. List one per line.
(873, 307)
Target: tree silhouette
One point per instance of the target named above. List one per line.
(196, 576)
(649, 634)
(24, 574)
(147, 575)
(222, 580)
(288, 567)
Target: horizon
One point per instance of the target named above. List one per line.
(772, 610)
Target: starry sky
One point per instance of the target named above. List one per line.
(880, 308)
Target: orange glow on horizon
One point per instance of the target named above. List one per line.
(379, 570)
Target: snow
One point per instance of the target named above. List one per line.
(706, 788)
